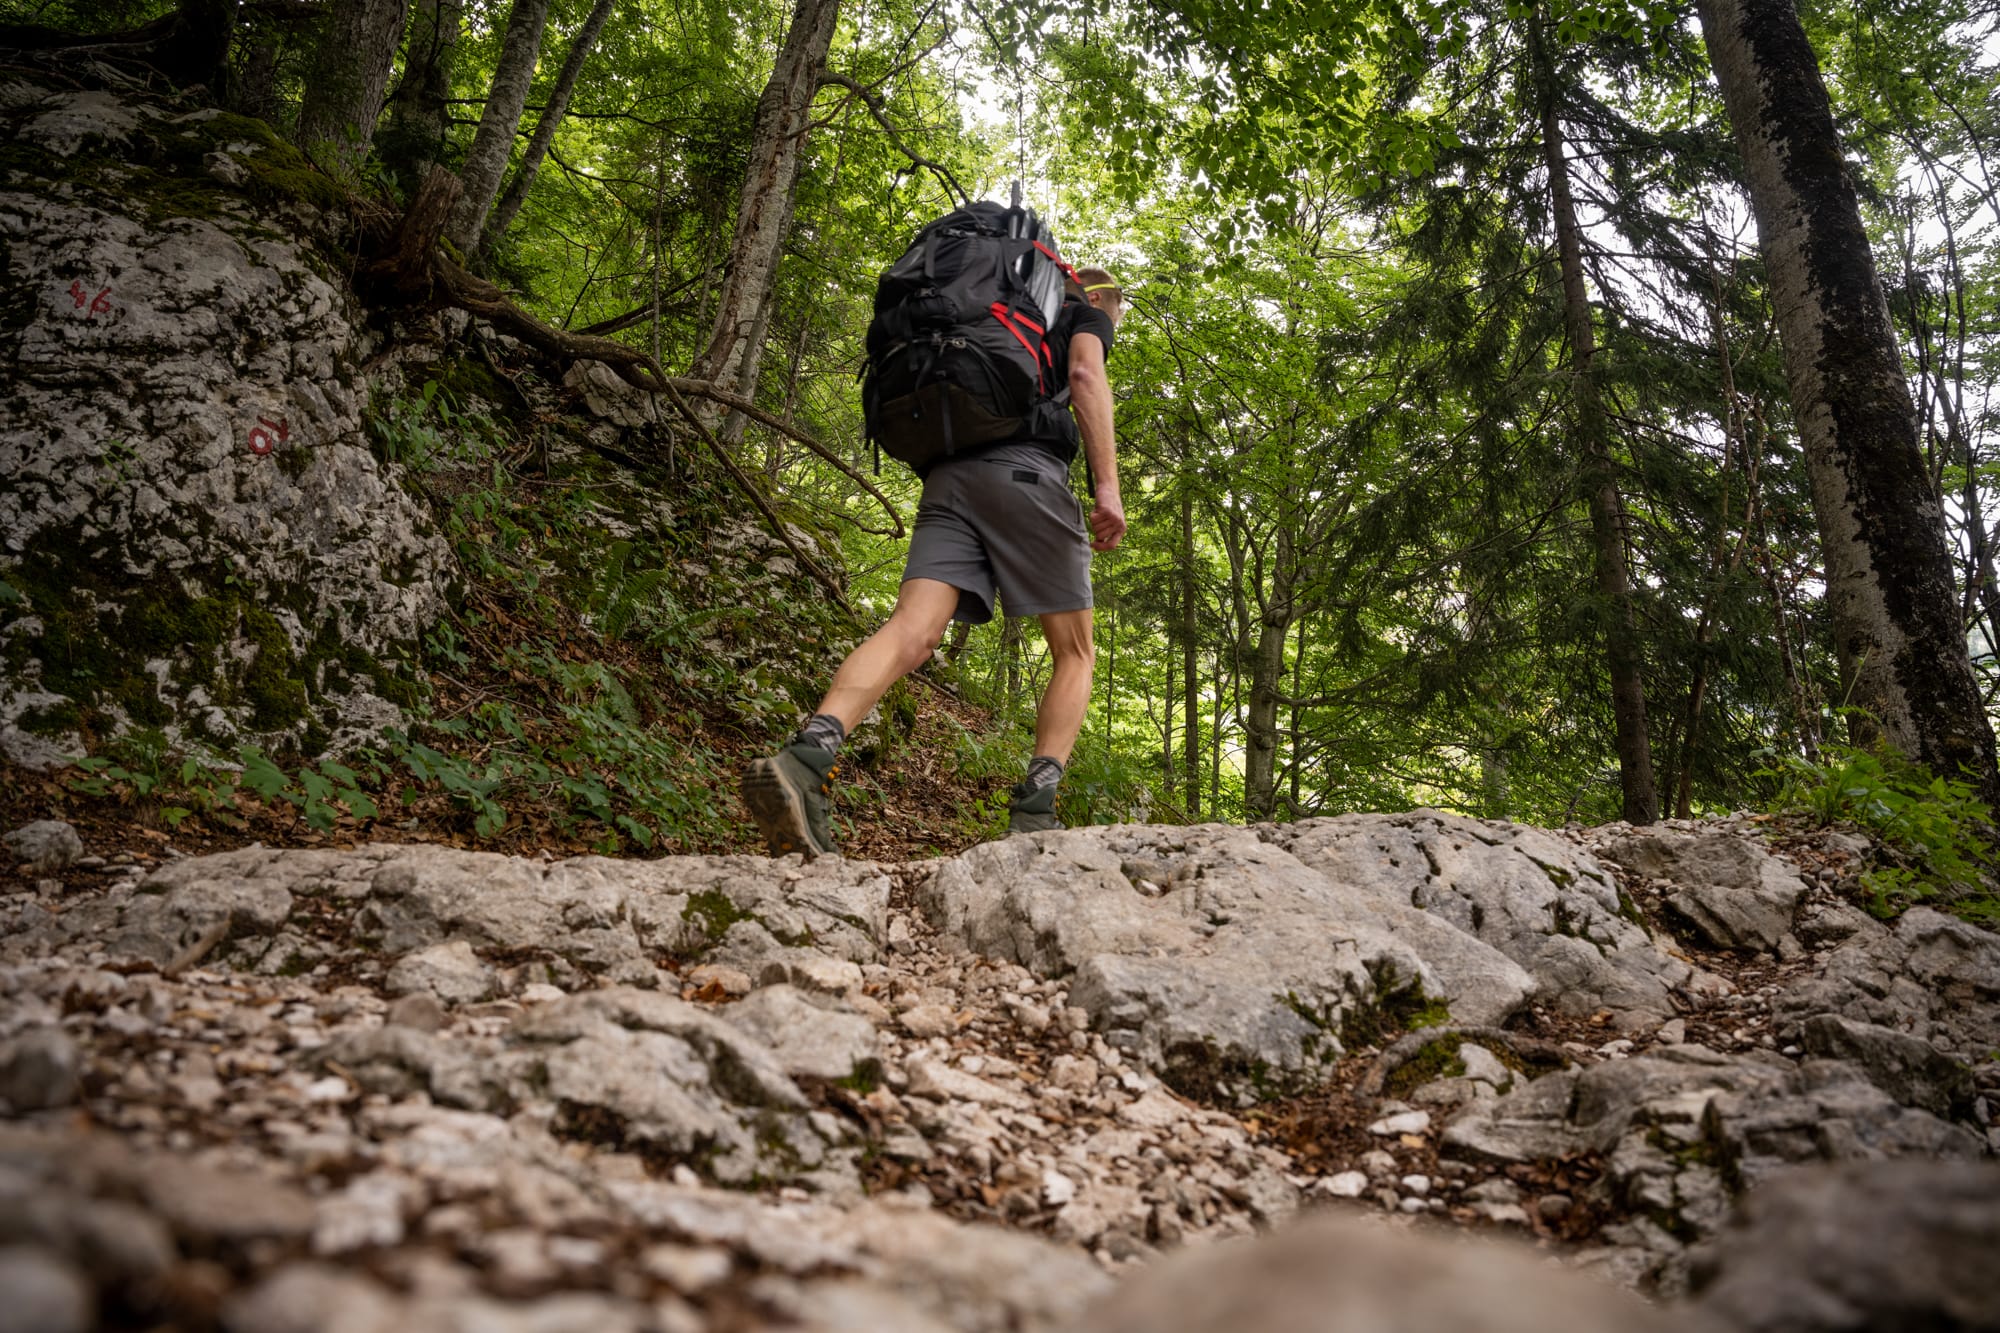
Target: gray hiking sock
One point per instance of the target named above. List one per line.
(1042, 772)
(823, 730)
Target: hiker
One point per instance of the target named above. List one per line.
(1000, 516)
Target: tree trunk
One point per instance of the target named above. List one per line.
(1889, 578)
(195, 49)
(349, 75)
(545, 127)
(408, 268)
(491, 146)
(1190, 659)
(1641, 803)
(414, 140)
(1293, 739)
(764, 216)
(255, 92)
(1267, 669)
(1215, 744)
(1010, 657)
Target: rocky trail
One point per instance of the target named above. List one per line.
(1028, 1087)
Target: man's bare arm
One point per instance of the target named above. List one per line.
(1090, 397)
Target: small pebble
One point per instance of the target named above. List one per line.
(1346, 1185)
(1407, 1122)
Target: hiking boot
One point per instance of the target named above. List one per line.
(1031, 811)
(787, 796)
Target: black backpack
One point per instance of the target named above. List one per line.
(958, 352)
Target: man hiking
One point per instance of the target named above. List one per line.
(1001, 517)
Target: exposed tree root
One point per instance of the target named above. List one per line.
(749, 488)
(472, 293)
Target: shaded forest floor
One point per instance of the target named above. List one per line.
(917, 806)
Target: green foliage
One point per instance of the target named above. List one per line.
(205, 783)
(424, 430)
(1108, 786)
(1346, 411)
(1936, 836)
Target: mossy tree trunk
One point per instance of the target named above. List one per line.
(513, 75)
(1889, 583)
(1267, 669)
(347, 80)
(764, 216)
(414, 139)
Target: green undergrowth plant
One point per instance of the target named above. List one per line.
(606, 645)
(1109, 786)
(1934, 836)
(207, 783)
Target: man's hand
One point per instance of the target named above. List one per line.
(1107, 523)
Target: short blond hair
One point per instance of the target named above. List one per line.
(1097, 280)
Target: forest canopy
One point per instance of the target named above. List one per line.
(1470, 456)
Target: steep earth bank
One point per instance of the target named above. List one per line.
(417, 1087)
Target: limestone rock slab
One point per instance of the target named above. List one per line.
(1929, 975)
(811, 1038)
(1730, 891)
(1864, 1245)
(1912, 1071)
(1235, 980)
(1547, 905)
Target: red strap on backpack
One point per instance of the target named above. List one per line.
(1037, 350)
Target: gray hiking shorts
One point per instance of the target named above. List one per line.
(1005, 520)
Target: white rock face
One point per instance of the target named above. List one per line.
(187, 499)
(1730, 891)
(1542, 902)
(1238, 975)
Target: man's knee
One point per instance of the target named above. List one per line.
(1074, 652)
(915, 643)
(1068, 635)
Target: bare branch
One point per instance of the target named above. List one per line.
(880, 111)
(704, 389)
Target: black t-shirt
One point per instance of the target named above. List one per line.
(1051, 425)
(1077, 317)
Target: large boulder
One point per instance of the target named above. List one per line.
(1544, 903)
(1683, 1130)
(1726, 890)
(198, 534)
(1928, 975)
(1211, 956)
(1912, 1071)
(1861, 1246)
(1362, 1277)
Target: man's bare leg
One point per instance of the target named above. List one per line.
(905, 642)
(788, 793)
(1059, 720)
(1031, 807)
